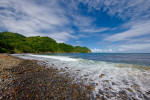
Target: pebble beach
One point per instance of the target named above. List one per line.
(28, 80)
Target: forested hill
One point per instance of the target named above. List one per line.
(17, 43)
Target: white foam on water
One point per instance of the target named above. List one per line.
(56, 57)
(108, 77)
(52, 57)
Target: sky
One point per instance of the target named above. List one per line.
(105, 26)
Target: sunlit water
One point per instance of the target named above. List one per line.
(127, 76)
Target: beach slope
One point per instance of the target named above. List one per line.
(26, 79)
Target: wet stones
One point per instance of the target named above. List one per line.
(90, 88)
(113, 83)
(148, 93)
(135, 87)
(85, 75)
(129, 90)
(35, 82)
(4, 76)
(96, 84)
(101, 76)
(101, 92)
(123, 95)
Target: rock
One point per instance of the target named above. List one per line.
(130, 90)
(105, 80)
(98, 96)
(86, 79)
(48, 84)
(85, 75)
(96, 84)
(4, 76)
(74, 85)
(113, 83)
(27, 95)
(90, 88)
(148, 93)
(101, 75)
(101, 92)
(135, 87)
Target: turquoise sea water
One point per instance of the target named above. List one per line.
(128, 58)
(114, 76)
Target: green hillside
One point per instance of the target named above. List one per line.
(16, 43)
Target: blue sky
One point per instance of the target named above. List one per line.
(101, 25)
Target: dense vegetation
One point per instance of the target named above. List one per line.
(16, 43)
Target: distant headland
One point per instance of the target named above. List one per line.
(17, 43)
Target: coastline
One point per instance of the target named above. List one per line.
(26, 79)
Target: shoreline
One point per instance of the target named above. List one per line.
(26, 79)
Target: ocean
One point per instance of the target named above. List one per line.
(112, 74)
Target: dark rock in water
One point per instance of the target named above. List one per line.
(122, 92)
(103, 98)
(66, 67)
(101, 92)
(146, 97)
(101, 76)
(96, 84)
(85, 75)
(113, 83)
(123, 95)
(135, 87)
(130, 90)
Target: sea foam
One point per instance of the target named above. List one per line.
(55, 57)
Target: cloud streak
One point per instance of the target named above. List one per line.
(125, 9)
(135, 29)
(95, 30)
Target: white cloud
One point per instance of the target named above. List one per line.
(86, 24)
(136, 29)
(133, 47)
(96, 50)
(62, 36)
(136, 47)
(94, 30)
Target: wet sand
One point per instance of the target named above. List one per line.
(27, 80)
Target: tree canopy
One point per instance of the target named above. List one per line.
(17, 43)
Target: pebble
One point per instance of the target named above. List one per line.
(101, 76)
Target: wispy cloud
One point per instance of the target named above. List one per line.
(82, 21)
(124, 9)
(86, 24)
(62, 36)
(136, 28)
(95, 30)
